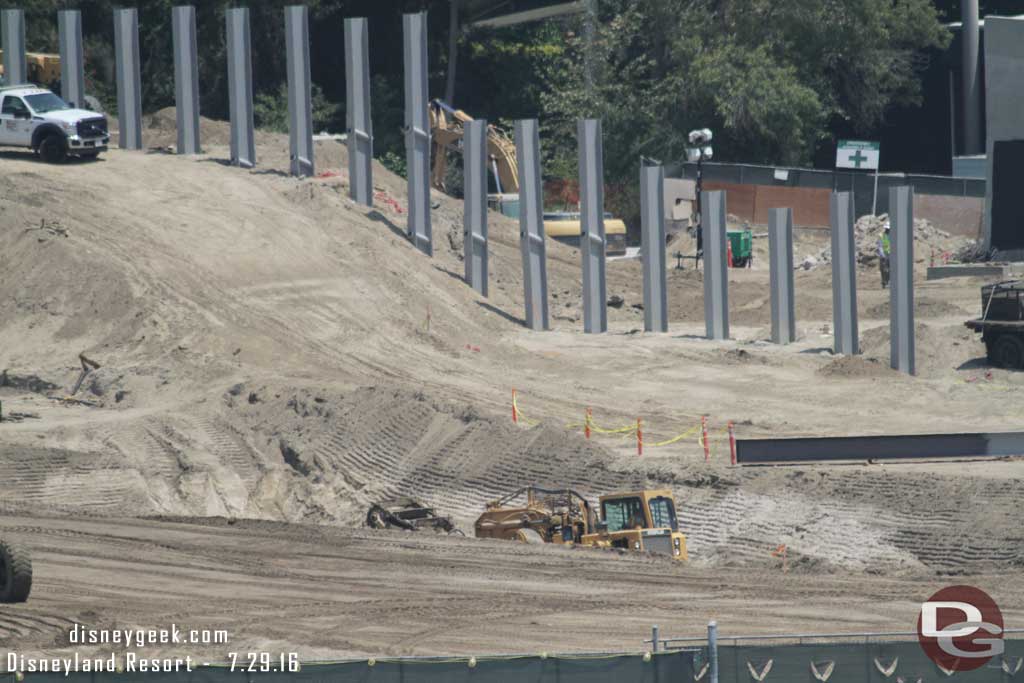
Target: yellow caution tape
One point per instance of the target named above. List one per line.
(674, 439)
(519, 412)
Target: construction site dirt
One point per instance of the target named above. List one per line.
(274, 358)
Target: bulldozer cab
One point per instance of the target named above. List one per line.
(640, 521)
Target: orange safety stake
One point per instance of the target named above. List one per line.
(728, 254)
(586, 424)
(515, 412)
(704, 437)
(732, 444)
(639, 437)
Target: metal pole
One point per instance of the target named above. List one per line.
(592, 235)
(531, 224)
(901, 287)
(780, 248)
(300, 108)
(652, 247)
(186, 78)
(475, 211)
(72, 63)
(952, 118)
(417, 131)
(874, 196)
(12, 24)
(713, 651)
(357, 111)
(973, 142)
(654, 638)
(844, 274)
(129, 80)
(716, 273)
(243, 144)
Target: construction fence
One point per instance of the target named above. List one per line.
(596, 668)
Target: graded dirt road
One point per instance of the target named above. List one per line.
(272, 351)
(321, 591)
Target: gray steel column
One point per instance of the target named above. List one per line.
(474, 185)
(129, 80)
(901, 280)
(12, 25)
(300, 108)
(592, 237)
(973, 142)
(844, 274)
(186, 78)
(417, 131)
(716, 266)
(72, 61)
(531, 225)
(357, 111)
(780, 256)
(243, 143)
(713, 652)
(652, 247)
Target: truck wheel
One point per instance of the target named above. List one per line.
(52, 149)
(529, 536)
(1008, 352)
(15, 573)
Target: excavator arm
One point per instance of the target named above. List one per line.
(446, 129)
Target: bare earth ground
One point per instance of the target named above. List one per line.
(274, 354)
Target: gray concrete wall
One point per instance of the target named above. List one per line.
(1004, 92)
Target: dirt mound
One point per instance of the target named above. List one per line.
(161, 129)
(858, 367)
(939, 350)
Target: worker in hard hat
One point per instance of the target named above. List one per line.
(884, 248)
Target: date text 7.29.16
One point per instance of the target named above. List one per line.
(264, 662)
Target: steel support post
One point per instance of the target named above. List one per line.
(474, 185)
(300, 108)
(901, 279)
(652, 247)
(716, 267)
(780, 250)
(357, 111)
(844, 274)
(655, 638)
(243, 143)
(129, 80)
(417, 131)
(531, 225)
(713, 652)
(186, 78)
(592, 236)
(12, 25)
(72, 61)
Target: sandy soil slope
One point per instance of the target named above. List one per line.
(272, 351)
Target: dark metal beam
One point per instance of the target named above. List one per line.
(904, 447)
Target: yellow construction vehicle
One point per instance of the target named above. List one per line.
(446, 130)
(43, 68)
(640, 521)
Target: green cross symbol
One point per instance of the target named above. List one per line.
(857, 159)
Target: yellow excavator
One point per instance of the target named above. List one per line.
(446, 129)
(43, 68)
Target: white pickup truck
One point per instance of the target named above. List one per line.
(35, 118)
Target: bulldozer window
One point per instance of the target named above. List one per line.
(663, 513)
(624, 513)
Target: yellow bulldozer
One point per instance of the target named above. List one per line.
(446, 132)
(43, 68)
(638, 521)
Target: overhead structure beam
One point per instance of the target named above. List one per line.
(300, 108)
(780, 267)
(475, 211)
(129, 79)
(357, 111)
(72, 61)
(531, 225)
(527, 16)
(844, 275)
(903, 447)
(716, 266)
(12, 27)
(592, 235)
(417, 131)
(186, 78)
(652, 247)
(243, 143)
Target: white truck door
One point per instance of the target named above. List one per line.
(15, 122)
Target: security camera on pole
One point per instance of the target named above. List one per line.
(699, 151)
(860, 156)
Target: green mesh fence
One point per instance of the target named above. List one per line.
(893, 662)
(668, 667)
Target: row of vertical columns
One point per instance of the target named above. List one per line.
(72, 62)
(357, 111)
(240, 105)
(129, 80)
(592, 236)
(300, 108)
(716, 274)
(186, 78)
(417, 131)
(12, 27)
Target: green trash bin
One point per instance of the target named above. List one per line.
(742, 242)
